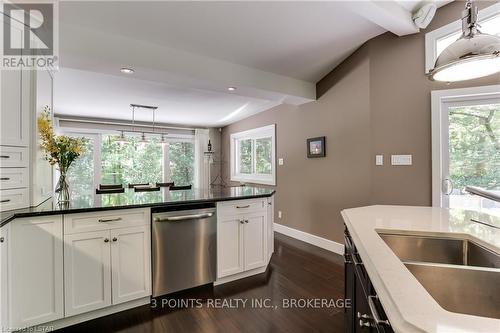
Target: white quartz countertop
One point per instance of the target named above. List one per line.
(409, 307)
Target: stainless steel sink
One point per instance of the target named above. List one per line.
(461, 275)
(440, 250)
(459, 289)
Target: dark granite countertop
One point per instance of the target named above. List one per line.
(132, 199)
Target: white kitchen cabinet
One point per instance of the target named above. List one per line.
(270, 226)
(131, 263)
(255, 240)
(35, 271)
(229, 245)
(242, 236)
(4, 282)
(87, 272)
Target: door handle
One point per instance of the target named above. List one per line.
(373, 310)
(110, 220)
(241, 207)
(4, 156)
(5, 200)
(448, 184)
(184, 217)
(5, 178)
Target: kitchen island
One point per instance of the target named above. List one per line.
(388, 248)
(64, 264)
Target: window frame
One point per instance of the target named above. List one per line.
(431, 38)
(253, 134)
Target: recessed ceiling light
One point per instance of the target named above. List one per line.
(231, 88)
(127, 70)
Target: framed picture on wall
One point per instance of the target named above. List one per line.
(316, 147)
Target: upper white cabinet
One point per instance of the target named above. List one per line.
(242, 236)
(87, 274)
(35, 270)
(15, 104)
(107, 259)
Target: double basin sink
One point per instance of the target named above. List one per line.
(461, 275)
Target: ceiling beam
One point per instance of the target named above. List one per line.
(96, 51)
(389, 15)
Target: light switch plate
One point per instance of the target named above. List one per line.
(401, 159)
(280, 161)
(379, 159)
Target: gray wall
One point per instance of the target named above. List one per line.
(375, 102)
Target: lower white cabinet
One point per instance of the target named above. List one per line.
(130, 263)
(255, 240)
(35, 271)
(4, 282)
(242, 237)
(106, 267)
(229, 246)
(87, 272)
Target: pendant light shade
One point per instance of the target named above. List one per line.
(472, 56)
(143, 139)
(122, 139)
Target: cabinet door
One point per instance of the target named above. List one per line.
(4, 281)
(229, 245)
(14, 113)
(131, 263)
(270, 226)
(87, 272)
(35, 271)
(255, 239)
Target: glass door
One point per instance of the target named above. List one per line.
(471, 152)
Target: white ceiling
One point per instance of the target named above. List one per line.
(187, 53)
(96, 95)
(302, 40)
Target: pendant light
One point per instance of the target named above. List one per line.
(122, 139)
(143, 139)
(163, 141)
(472, 56)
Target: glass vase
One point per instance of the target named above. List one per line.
(62, 188)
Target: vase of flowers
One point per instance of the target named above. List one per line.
(59, 149)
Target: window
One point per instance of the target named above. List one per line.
(437, 40)
(253, 156)
(106, 161)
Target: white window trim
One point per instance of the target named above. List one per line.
(432, 37)
(441, 100)
(256, 133)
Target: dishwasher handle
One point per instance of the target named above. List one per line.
(184, 217)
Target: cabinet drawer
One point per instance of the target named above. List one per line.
(241, 206)
(13, 178)
(14, 157)
(14, 199)
(86, 222)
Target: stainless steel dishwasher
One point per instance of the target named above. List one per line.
(184, 249)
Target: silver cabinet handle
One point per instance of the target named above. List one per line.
(5, 200)
(4, 156)
(184, 217)
(5, 178)
(241, 207)
(373, 310)
(110, 220)
(106, 240)
(115, 239)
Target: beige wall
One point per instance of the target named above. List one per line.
(375, 102)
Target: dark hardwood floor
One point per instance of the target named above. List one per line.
(297, 271)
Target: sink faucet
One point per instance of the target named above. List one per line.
(474, 190)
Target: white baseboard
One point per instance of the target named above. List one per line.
(309, 238)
